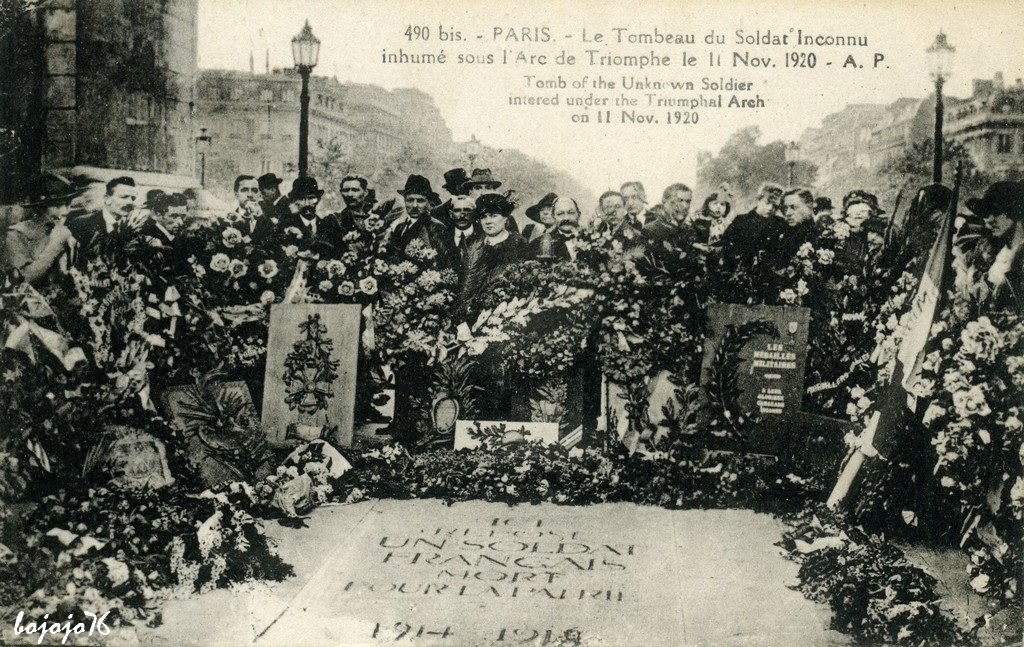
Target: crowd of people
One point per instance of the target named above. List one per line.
(476, 232)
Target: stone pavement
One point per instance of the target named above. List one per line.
(486, 574)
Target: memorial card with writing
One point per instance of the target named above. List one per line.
(309, 390)
(753, 367)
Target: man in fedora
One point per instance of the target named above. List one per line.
(480, 182)
(119, 221)
(34, 245)
(303, 224)
(417, 223)
(274, 204)
(1002, 209)
(455, 181)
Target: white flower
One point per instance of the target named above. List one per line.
(231, 237)
(933, 412)
(238, 268)
(981, 339)
(220, 263)
(268, 269)
(267, 297)
(290, 250)
(335, 268)
(980, 583)
(801, 287)
(347, 288)
(325, 285)
(805, 250)
(841, 230)
(947, 482)
(971, 402)
(788, 295)
(368, 285)
(825, 256)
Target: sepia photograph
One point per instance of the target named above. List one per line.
(539, 323)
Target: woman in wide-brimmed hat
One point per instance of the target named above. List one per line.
(34, 245)
(542, 218)
(1002, 209)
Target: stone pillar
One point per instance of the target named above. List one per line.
(60, 102)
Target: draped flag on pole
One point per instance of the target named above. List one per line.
(881, 435)
(923, 310)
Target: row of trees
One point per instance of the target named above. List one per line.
(333, 159)
(745, 163)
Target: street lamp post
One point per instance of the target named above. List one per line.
(305, 51)
(792, 154)
(473, 147)
(940, 58)
(203, 142)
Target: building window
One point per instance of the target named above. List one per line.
(266, 95)
(288, 95)
(1004, 143)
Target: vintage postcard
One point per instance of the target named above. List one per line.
(553, 323)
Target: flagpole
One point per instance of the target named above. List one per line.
(908, 358)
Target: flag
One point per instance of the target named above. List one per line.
(884, 427)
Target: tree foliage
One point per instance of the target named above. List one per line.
(745, 164)
(913, 167)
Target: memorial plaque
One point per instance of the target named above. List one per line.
(770, 343)
(309, 390)
(489, 575)
(510, 432)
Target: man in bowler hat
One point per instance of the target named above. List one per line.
(274, 204)
(303, 224)
(418, 223)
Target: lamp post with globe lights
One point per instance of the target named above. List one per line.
(306, 52)
(940, 59)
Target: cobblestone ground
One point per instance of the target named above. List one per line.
(422, 573)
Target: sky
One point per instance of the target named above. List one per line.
(474, 100)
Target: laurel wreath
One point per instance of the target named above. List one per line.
(723, 379)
